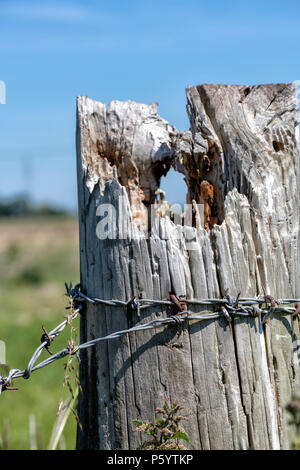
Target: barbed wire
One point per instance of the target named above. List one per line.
(228, 307)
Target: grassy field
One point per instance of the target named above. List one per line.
(36, 257)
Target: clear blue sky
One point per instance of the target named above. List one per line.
(51, 51)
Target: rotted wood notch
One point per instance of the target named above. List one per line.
(131, 142)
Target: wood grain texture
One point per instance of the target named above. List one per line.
(241, 160)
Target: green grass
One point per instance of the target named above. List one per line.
(36, 257)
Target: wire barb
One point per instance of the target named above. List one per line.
(178, 303)
(46, 338)
(225, 313)
(132, 306)
(272, 305)
(297, 311)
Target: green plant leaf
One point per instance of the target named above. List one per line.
(160, 421)
(181, 435)
(138, 422)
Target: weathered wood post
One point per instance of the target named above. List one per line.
(241, 161)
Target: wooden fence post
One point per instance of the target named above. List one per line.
(241, 161)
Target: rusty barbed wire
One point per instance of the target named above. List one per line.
(227, 308)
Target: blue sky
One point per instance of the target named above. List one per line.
(51, 51)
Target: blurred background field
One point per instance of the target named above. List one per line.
(37, 255)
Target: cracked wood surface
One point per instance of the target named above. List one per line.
(241, 160)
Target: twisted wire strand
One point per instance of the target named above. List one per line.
(80, 296)
(248, 307)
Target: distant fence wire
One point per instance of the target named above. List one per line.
(227, 308)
